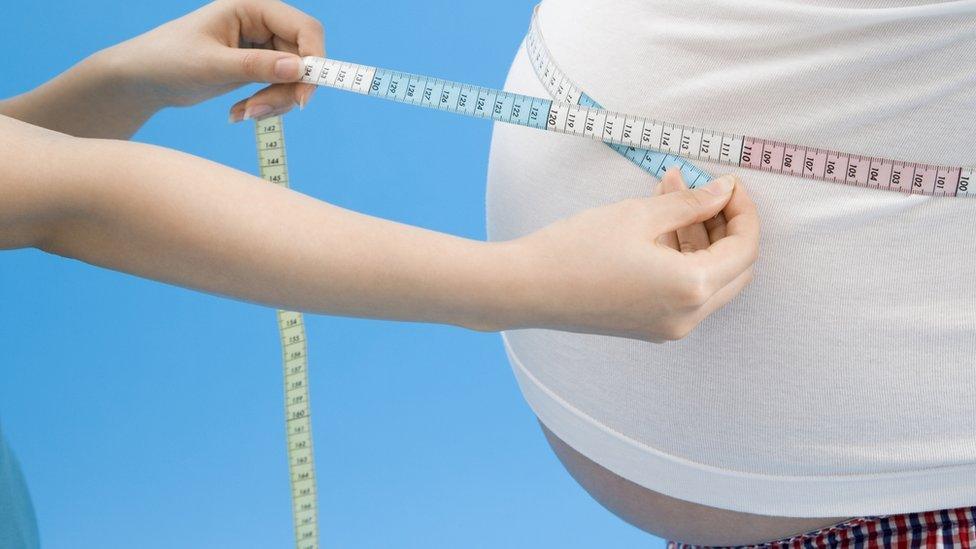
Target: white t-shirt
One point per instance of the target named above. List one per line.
(843, 380)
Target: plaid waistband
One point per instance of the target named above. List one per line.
(949, 528)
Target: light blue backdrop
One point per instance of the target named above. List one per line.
(150, 416)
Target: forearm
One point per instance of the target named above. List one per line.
(168, 216)
(91, 99)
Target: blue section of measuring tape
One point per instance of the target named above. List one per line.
(460, 98)
(653, 162)
(512, 108)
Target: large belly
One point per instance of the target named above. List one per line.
(839, 383)
(675, 519)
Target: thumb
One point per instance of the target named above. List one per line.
(257, 65)
(679, 209)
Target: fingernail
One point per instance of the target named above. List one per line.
(256, 111)
(721, 186)
(235, 117)
(287, 68)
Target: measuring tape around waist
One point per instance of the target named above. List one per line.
(273, 167)
(572, 112)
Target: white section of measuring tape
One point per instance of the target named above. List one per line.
(273, 166)
(640, 133)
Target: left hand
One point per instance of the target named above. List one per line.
(218, 48)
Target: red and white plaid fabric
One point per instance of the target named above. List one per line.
(955, 528)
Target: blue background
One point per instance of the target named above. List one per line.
(151, 416)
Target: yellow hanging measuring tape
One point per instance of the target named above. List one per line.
(273, 167)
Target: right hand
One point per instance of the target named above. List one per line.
(644, 268)
(218, 48)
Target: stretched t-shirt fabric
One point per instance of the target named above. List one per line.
(18, 528)
(843, 380)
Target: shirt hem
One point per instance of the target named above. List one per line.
(788, 496)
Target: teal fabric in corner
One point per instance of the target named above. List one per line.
(18, 527)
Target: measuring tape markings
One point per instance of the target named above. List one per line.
(764, 154)
(474, 101)
(273, 167)
(564, 90)
(642, 134)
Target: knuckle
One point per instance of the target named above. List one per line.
(747, 252)
(694, 290)
(750, 276)
(250, 62)
(690, 200)
(317, 28)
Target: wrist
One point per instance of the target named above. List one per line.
(98, 97)
(115, 73)
(510, 296)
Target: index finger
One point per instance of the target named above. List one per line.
(288, 23)
(730, 256)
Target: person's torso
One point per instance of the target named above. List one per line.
(853, 351)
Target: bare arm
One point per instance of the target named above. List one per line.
(168, 216)
(173, 217)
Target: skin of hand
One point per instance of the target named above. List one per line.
(645, 268)
(172, 217)
(211, 51)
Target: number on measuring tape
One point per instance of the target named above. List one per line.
(273, 166)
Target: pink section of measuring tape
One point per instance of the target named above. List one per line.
(850, 169)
